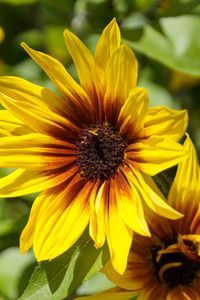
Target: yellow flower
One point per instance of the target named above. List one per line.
(89, 150)
(180, 80)
(1, 34)
(166, 266)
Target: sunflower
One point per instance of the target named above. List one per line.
(166, 266)
(89, 150)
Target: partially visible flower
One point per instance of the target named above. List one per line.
(89, 151)
(164, 5)
(1, 34)
(179, 80)
(166, 266)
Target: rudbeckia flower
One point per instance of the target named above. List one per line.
(166, 266)
(1, 34)
(89, 150)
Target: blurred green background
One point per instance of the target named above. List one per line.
(165, 37)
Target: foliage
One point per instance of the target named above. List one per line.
(55, 279)
(164, 35)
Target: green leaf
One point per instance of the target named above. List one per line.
(135, 20)
(96, 284)
(178, 7)
(12, 266)
(60, 277)
(177, 48)
(158, 94)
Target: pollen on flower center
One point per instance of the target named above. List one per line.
(100, 150)
(174, 268)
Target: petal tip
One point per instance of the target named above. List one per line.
(176, 215)
(22, 250)
(24, 45)
(113, 22)
(68, 34)
(23, 247)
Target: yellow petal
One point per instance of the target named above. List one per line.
(12, 126)
(75, 101)
(39, 119)
(115, 228)
(165, 121)
(160, 292)
(145, 293)
(129, 279)
(95, 227)
(108, 42)
(35, 151)
(184, 193)
(47, 201)
(90, 74)
(183, 293)
(130, 205)
(111, 294)
(121, 77)
(26, 238)
(66, 217)
(155, 154)
(22, 182)
(21, 89)
(190, 293)
(2, 34)
(132, 114)
(147, 189)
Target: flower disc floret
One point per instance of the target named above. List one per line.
(100, 152)
(174, 268)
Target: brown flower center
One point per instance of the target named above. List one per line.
(174, 265)
(100, 151)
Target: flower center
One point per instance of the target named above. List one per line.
(173, 265)
(100, 151)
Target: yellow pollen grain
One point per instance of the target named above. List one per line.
(94, 131)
